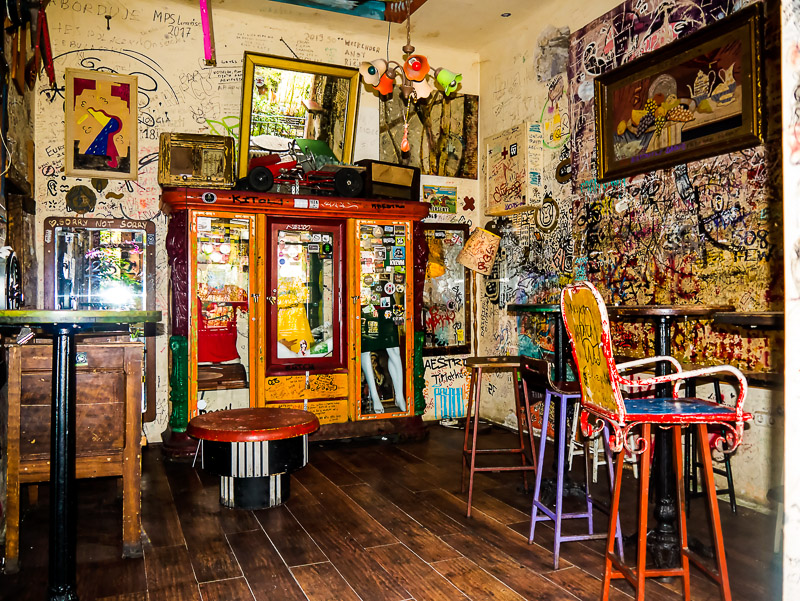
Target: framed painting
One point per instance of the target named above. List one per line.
(445, 295)
(101, 125)
(694, 98)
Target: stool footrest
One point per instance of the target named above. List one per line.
(702, 565)
(511, 468)
(477, 451)
(551, 515)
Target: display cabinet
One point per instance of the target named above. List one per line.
(295, 302)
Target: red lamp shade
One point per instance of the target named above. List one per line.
(416, 67)
(385, 85)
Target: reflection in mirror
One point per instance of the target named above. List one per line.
(105, 264)
(100, 269)
(305, 294)
(284, 100)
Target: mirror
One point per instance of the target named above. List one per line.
(104, 264)
(285, 99)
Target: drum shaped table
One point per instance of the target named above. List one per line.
(253, 451)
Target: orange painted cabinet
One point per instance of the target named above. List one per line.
(303, 303)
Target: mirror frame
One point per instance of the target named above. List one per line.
(252, 60)
(149, 228)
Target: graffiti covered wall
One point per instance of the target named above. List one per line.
(162, 44)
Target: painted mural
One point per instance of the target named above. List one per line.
(703, 232)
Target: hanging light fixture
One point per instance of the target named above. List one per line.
(414, 73)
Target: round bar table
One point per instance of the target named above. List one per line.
(664, 542)
(63, 325)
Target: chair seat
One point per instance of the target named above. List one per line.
(679, 411)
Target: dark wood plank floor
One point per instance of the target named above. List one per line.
(367, 520)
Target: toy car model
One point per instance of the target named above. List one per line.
(307, 163)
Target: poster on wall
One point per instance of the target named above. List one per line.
(514, 164)
(442, 198)
(101, 125)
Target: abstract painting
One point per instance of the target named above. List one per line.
(101, 125)
(442, 133)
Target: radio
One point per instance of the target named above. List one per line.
(197, 160)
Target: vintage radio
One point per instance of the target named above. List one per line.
(198, 160)
(389, 180)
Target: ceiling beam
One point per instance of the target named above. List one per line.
(397, 11)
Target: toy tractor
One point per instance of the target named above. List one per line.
(308, 164)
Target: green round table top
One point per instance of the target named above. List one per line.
(36, 317)
(534, 308)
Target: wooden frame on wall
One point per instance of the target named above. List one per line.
(101, 125)
(694, 98)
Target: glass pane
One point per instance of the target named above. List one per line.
(444, 308)
(223, 266)
(100, 269)
(383, 317)
(305, 293)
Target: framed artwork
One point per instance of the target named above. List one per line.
(101, 125)
(445, 295)
(514, 168)
(694, 98)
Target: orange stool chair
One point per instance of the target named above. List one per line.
(586, 320)
(477, 365)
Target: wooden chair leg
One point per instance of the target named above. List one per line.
(520, 421)
(713, 511)
(644, 489)
(683, 540)
(612, 523)
(466, 428)
(474, 441)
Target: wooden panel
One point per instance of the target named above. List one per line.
(328, 412)
(420, 579)
(99, 429)
(169, 574)
(323, 582)
(232, 589)
(292, 542)
(95, 386)
(475, 582)
(263, 567)
(108, 356)
(320, 386)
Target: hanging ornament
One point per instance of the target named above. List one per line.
(404, 145)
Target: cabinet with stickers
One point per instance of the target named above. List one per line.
(296, 302)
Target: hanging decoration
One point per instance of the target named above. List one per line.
(209, 51)
(414, 73)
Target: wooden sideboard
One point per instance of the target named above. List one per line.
(108, 436)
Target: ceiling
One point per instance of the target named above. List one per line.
(465, 25)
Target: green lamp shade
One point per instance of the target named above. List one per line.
(448, 80)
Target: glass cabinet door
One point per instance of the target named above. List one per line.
(305, 278)
(385, 336)
(223, 253)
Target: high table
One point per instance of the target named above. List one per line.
(664, 544)
(63, 325)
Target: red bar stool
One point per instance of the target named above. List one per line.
(587, 326)
(476, 366)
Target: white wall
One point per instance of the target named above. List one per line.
(161, 42)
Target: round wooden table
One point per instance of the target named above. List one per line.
(664, 542)
(253, 451)
(63, 325)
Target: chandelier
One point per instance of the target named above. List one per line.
(414, 73)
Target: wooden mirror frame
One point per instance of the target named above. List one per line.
(149, 229)
(253, 60)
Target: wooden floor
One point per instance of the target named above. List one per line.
(373, 521)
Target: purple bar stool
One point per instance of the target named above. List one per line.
(536, 374)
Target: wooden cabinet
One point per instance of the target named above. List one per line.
(109, 425)
(313, 299)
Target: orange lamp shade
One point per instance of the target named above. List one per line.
(416, 67)
(385, 85)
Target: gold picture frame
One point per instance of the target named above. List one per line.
(101, 125)
(199, 160)
(331, 107)
(694, 98)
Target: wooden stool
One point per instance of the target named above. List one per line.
(253, 451)
(476, 366)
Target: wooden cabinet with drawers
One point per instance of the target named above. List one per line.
(108, 437)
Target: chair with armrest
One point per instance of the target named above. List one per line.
(587, 325)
